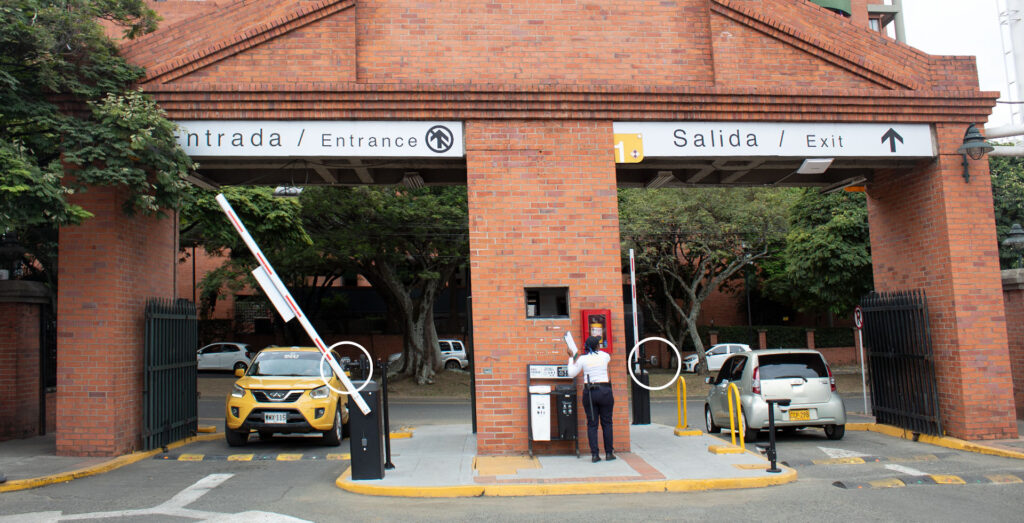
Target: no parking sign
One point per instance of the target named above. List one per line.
(858, 317)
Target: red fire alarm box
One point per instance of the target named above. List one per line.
(598, 322)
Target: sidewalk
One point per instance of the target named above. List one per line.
(441, 461)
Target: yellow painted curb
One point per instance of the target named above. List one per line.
(113, 464)
(687, 432)
(207, 429)
(725, 449)
(345, 483)
(939, 441)
(401, 435)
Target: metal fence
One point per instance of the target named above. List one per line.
(170, 399)
(899, 351)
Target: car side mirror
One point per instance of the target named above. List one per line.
(239, 373)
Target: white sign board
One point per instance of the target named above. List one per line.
(318, 138)
(781, 139)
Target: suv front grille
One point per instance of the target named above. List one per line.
(277, 396)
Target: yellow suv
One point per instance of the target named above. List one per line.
(282, 392)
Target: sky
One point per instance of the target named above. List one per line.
(958, 27)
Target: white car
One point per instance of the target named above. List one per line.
(716, 355)
(224, 356)
(453, 354)
(800, 376)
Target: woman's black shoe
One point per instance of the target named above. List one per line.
(609, 456)
(595, 458)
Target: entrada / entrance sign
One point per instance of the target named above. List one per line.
(213, 138)
(801, 140)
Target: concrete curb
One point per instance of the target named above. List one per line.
(107, 466)
(940, 441)
(345, 482)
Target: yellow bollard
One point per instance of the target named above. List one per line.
(681, 404)
(681, 413)
(735, 412)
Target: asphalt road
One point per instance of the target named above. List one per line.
(163, 490)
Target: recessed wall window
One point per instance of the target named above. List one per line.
(547, 302)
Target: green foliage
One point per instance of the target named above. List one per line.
(66, 106)
(826, 263)
(1008, 196)
(275, 224)
(693, 241)
(825, 337)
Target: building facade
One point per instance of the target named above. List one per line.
(537, 95)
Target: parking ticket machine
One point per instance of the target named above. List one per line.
(598, 322)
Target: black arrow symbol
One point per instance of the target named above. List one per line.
(892, 136)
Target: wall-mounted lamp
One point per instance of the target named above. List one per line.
(974, 146)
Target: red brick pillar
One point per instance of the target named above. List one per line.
(762, 338)
(543, 213)
(1013, 300)
(713, 337)
(932, 230)
(109, 267)
(810, 338)
(20, 375)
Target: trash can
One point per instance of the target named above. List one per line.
(366, 434)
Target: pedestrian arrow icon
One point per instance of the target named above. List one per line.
(892, 136)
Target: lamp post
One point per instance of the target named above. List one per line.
(974, 146)
(1015, 242)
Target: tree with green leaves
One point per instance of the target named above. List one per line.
(689, 242)
(67, 106)
(406, 242)
(1008, 201)
(276, 225)
(826, 263)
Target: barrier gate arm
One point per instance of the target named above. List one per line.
(282, 300)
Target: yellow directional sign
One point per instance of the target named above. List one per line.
(629, 148)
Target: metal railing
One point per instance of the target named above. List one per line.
(170, 399)
(897, 340)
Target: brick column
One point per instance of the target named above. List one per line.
(20, 375)
(1013, 300)
(762, 338)
(810, 338)
(713, 337)
(109, 267)
(543, 213)
(932, 230)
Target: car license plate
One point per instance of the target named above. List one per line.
(275, 417)
(799, 415)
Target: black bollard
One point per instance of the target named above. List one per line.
(388, 465)
(772, 454)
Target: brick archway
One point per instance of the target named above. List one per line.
(538, 87)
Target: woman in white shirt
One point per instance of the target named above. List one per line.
(597, 395)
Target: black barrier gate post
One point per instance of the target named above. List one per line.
(771, 452)
(388, 465)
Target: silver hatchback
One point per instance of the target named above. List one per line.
(799, 375)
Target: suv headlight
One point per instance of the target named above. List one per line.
(320, 393)
(238, 392)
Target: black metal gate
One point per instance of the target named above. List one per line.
(170, 399)
(899, 351)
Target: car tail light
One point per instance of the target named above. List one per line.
(755, 382)
(831, 378)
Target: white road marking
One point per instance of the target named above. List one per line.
(172, 507)
(842, 453)
(906, 470)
